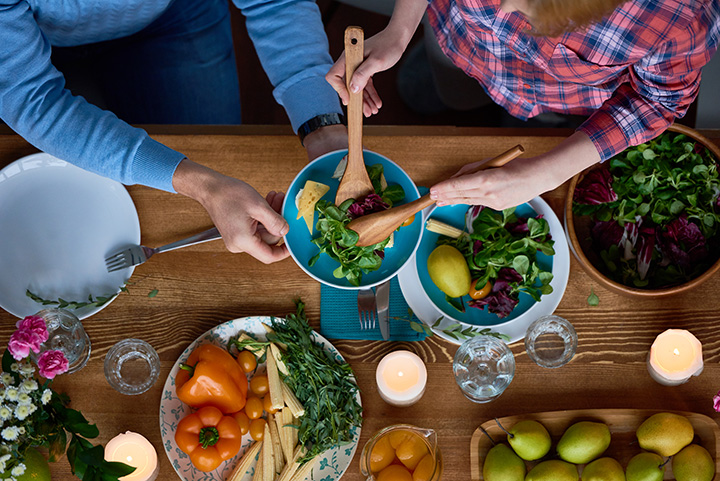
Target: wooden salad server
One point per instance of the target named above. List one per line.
(355, 183)
(378, 226)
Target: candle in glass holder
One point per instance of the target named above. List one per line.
(134, 450)
(675, 356)
(401, 377)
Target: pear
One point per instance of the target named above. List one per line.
(553, 470)
(665, 433)
(502, 464)
(583, 441)
(645, 467)
(529, 439)
(603, 469)
(449, 270)
(693, 463)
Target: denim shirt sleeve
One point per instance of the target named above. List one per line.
(290, 40)
(35, 103)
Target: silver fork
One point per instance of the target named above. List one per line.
(367, 311)
(135, 255)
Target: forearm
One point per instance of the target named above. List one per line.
(571, 156)
(405, 19)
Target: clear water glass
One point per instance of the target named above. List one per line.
(483, 368)
(551, 341)
(66, 334)
(132, 366)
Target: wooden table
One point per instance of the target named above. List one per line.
(205, 285)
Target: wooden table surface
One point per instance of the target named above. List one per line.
(202, 286)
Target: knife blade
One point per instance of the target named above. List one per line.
(382, 301)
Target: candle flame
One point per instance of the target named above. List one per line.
(676, 351)
(400, 374)
(129, 459)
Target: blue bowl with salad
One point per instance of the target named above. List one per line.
(527, 282)
(328, 254)
(646, 223)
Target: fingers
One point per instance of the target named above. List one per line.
(275, 200)
(336, 78)
(266, 253)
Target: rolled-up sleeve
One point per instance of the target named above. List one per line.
(35, 103)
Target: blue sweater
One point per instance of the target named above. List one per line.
(34, 102)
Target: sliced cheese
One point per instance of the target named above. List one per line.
(311, 193)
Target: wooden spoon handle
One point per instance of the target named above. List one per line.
(354, 45)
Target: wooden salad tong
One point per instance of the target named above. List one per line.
(355, 182)
(376, 227)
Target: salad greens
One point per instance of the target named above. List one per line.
(323, 384)
(655, 212)
(339, 243)
(502, 249)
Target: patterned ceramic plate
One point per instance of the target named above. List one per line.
(329, 467)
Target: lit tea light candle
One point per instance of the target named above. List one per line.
(675, 356)
(134, 450)
(401, 377)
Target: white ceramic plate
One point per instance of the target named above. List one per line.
(328, 467)
(428, 312)
(57, 225)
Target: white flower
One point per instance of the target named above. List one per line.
(5, 414)
(15, 367)
(11, 394)
(18, 470)
(31, 409)
(21, 429)
(29, 385)
(6, 379)
(26, 369)
(22, 411)
(46, 396)
(5, 458)
(24, 398)
(10, 433)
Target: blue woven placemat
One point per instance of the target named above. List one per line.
(339, 316)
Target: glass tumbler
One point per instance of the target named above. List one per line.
(132, 366)
(483, 368)
(66, 334)
(551, 341)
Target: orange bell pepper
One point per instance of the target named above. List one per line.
(208, 437)
(212, 377)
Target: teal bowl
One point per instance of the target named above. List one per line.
(454, 215)
(298, 239)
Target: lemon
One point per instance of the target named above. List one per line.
(449, 271)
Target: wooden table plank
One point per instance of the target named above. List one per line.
(205, 285)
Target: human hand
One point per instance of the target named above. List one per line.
(246, 221)
(326, 139)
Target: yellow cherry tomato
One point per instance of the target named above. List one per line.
(480, 293)
(267, 405)
(247, 361)
(254, 407)
(408, 221)
(243, 421)
(259, 385)
(257, 429)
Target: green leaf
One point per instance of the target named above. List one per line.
(153, 293)
(416, 327)
(676, 207)
(521, 264)
(593, 299)
(457, 303)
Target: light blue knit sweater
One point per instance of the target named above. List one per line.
(35, 104)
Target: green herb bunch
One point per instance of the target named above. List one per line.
(501, 243)
(339, 243)
(324, 385)
(658, 184)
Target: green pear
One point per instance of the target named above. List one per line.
(665, 433)
(553, 470)
(529, 439)
(603, 469)
(502, 464)
(583, 441)
(693, 463)
(645, 467)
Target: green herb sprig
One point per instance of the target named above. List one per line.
(456, 331)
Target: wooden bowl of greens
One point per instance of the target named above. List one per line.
(646, 223)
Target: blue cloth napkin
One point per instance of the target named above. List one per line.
(339, 316)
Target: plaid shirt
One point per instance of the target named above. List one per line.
(633, 73)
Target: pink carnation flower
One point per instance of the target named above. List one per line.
(51, 363)
(22, 342)
(716, 402)
(36, 325)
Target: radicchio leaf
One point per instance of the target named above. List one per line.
(646, 246)
(500, 301)
(684, 243)
(372, 203)
(607, 233)
(595, 188)
(471, 215)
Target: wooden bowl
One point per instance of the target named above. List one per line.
(577, 229)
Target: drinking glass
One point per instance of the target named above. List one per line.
(66, 334)
(132, 366)
(483, 368)
(551, 341)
